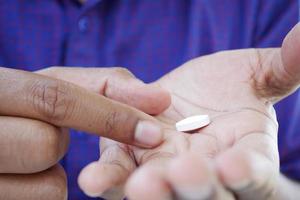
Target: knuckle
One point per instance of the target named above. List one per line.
(111, 122)
(37, 147)
(120, 125)
(51, 99)
(121, 71)
(52, 145)
(50, 71)
(53, 70)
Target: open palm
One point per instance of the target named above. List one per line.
(234, 156)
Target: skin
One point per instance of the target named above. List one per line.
(235, 157)
(207, 163)
(37, 110)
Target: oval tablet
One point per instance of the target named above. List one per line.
(192, 123)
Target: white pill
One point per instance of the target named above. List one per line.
(192, 123)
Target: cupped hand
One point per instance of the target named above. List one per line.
(235, 156)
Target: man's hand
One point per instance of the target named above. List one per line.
(235, 156)
(36, 110)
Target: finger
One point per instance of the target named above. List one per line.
(106, 177)
(193, 178)
(149, 181)
(290, 54)
(279, 69)
(48, 185)
(29, 146)
(64, 104)
(115, 83)
(250, 169)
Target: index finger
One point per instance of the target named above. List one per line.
(61, 103)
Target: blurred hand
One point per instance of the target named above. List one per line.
(235, 156)
(36, 110)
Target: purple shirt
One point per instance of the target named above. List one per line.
(150, 38)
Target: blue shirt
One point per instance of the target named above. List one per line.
(150, 38)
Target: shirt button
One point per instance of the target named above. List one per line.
(83, 24)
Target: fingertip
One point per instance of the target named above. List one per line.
(159, 99)
(191, 177)
(146, 185)
(292, 38)
(89, 181)
(85, 180)
(148, 134)
(189, 169)
(135, 187)
(234, 170)
(148, 98)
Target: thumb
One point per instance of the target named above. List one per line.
(115, 83)
(279, 69)
(290, 53)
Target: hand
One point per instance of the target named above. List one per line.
(36, 110)
(235, 156)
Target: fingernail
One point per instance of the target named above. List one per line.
(148, 133)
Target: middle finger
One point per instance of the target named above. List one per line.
(29, 146)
